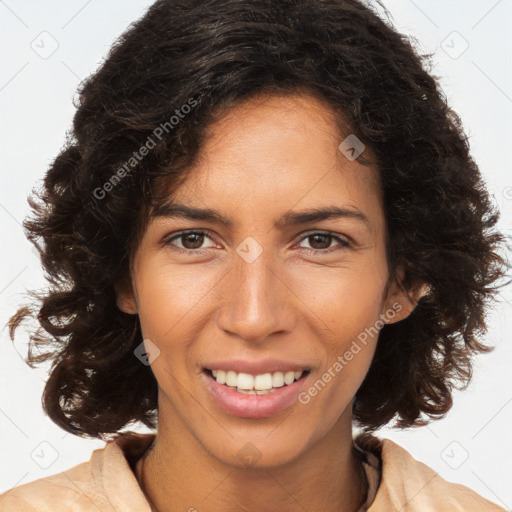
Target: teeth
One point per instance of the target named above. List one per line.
(263, 382)
(245, 381)
(255, 391)
(278, 380)
(231, 379)
(246, 391)
(289, 377)
(255, 384)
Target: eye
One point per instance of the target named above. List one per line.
(191, 241)
(321, 242)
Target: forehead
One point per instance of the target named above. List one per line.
(276, 152)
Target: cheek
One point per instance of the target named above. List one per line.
(346, 299)
(169, 296)
(172, 303)
(330, 394)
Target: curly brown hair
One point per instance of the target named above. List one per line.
(100, 191)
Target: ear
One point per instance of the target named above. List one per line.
(126, 300)
(400, 303)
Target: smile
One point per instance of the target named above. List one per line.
(254, 396)
(260, 384)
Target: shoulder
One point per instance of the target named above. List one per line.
(105, 482)
(74, 488)
(409, 485)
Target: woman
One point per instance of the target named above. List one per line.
(253, 239)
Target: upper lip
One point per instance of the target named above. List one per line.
(257, 367)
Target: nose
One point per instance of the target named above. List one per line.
(256, 300)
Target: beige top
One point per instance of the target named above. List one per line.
(107, 483)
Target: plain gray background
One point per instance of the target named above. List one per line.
(48, 47)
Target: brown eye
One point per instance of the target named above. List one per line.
(189, 241)
(321, 243)
(192, 240)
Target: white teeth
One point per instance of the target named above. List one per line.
(245, 381)
(246, 391)
(262, 382)
(278, 380)
(231, 379)
(255, 384)
(289, 377)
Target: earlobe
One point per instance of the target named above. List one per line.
(125, 297)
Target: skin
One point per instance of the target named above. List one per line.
(267, 156)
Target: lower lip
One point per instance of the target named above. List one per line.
(254, 406)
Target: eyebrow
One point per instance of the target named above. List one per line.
(309, 215)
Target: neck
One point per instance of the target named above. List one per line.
(179, 474)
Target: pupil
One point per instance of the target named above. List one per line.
(316, 237)
(197, 243)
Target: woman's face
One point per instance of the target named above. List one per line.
(269, 292)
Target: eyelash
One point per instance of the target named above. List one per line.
(343, 243)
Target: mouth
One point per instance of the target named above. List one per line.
(247, 395)
(260, 384)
